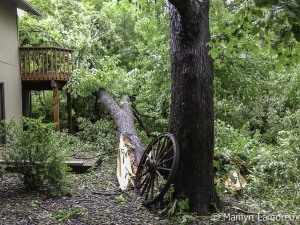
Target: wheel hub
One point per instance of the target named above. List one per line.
(151, 164)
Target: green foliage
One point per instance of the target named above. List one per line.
(41, 102)
(256, 106)
(119, 45)
(176, 209)
(240, 28)
(98, 137)
(120, 199)
(174, 206)
(272, 171)
(33, 203)
(123, 46)
(238, 148)
(41, 106)
(62, 216)
(37, 152)
(277, 174)
(177, 206)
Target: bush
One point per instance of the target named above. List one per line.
(275, 177)
(272, 171)
(37, 152)
(99, 136)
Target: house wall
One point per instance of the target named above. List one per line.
(9, 60)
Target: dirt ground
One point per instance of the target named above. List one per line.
(95, 200)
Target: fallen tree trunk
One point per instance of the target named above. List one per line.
(124, 119)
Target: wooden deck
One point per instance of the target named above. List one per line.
(77, 164)
(46, 68)
(45, 63)
(81, 165)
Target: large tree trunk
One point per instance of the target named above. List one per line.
(192, 117)
(123, 118)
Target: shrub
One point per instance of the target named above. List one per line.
(99, 136)
(37, 152)
(272, 171)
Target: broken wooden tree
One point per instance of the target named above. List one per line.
(123, 117)
(151, 170)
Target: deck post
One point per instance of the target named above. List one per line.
(55, 105)
(69, 109)
(26, 103)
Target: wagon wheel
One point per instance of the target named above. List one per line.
(157, 168)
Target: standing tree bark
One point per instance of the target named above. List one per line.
(192, 116)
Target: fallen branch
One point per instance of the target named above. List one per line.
(142, 125)
(142, 115)
(106, 193)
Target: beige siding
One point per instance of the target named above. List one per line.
(9, 59)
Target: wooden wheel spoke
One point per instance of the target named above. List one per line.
(158, 148)
(155, 148)
(160, 163)
(161, 150)
(152, 187)
(165, 154)
(143, 182)
(143, 174)
(157, 183)
(146, 185)
(147, 178)
(163, 168)
(157, 169)
(159, 174)
(152, 152)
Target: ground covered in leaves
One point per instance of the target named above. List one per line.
(95, 200)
